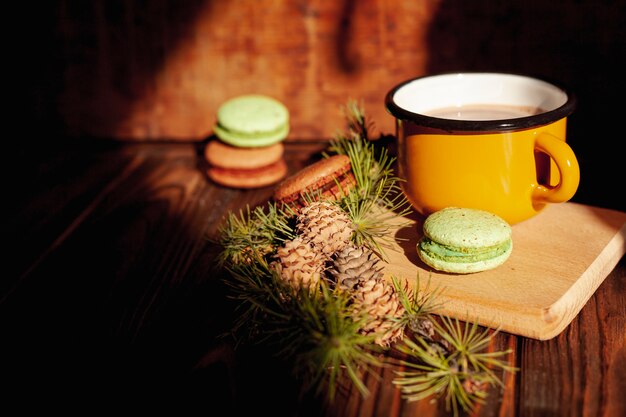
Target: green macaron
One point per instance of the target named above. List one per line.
(462, 240)
(252, 120)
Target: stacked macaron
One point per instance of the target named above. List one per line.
(247, 151)
(463, 240)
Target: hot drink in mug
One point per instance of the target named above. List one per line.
(491, 141)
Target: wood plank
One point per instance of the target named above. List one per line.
(159, 70)
(559, 259)
(385, 400)
(580, 372)
(56, 188)
(111, 297)
(124, 277)
(127, 306)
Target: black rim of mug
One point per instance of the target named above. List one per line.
(482, 126)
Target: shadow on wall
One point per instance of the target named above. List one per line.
(579, 43)
(91, 62)
(88, 65)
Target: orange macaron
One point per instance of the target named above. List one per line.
(327, 179)
(240, 167)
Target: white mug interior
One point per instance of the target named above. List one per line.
(425, 94)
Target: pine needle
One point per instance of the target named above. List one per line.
(328, 345)
(459, 373)
(253, 233)
(377, 205)
(317, 330)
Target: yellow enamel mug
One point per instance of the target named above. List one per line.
(490, 141)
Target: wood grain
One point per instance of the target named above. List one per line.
(560, 257)
(159, 70)
(118, 304)
(575, 373)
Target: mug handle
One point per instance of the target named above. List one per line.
(567, 164)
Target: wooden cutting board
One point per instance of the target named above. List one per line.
(560, 257)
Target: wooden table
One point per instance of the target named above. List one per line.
(111, 302)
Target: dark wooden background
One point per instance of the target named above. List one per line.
(110, 292)
(112, 305)
(157, 70)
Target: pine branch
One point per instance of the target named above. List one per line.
(333, 347)
(377, 203)
(419, 306)
(253, 233)
(256, 288)
(318, 330)
(458, 368)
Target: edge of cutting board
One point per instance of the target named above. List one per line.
(559, 259)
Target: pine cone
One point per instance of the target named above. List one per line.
(326, 226)
(299, 264)
(377, 300)
(423, 327)
(353, 264)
